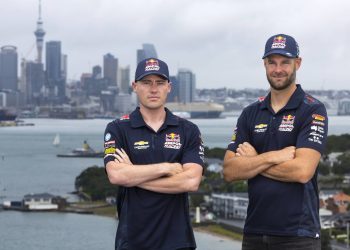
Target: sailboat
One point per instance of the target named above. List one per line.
(56, 140)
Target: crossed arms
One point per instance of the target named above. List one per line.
(288, 164)
(161, 177)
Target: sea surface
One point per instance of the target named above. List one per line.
(28, 164)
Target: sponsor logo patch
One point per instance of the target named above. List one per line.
(201, 148)
(172, 140)
(318, 117)
(279, 42)
(108, 136)
(141, 145)
(234, 136)
(261, 98)
(152, 64)
(318, 123)
(109, 150)
(110, 144)
(260, 128)
(287, 123)
(124, 117)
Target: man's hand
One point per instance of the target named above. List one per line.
(286, 154)
(245, 149)
(121, 157)
(174, 168)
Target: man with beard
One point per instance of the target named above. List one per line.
(276, 146)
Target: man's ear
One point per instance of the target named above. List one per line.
(133, 85)
(170, 86)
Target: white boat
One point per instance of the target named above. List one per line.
(56, 140)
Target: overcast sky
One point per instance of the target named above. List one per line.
(221, 41)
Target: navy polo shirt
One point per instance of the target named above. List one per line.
(276, 207)
(151, 220)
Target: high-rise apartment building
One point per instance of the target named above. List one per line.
(173, 96)
(187, 85)
(124, 80)
(148, 50)
(55, 79)
(34, 82)
(8, 68)
(110, 69)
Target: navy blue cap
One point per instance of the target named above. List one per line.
(151, 66)
(283, 45)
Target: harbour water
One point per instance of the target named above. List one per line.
(28, 164)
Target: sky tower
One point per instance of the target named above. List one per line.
(39, 34)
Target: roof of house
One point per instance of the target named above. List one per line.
(38, 196)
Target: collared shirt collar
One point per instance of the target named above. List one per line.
(137, 120)
(294, 101)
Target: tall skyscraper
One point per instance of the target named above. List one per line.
(39, 34)
(8, 68)
(173, 96)
(97, 72)
(125, 80)
(148, 50)
(64, 66)
(187, 85)
(34, 79)
(110, 68)
(55, 80)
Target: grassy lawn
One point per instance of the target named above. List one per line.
(219, 230)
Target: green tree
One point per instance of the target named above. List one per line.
(338, 143)
(94, 182)
(218, 153)
(323, 168)
(343, 165)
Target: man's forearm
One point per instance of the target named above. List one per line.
(300, 169)
(187, 181)
(132, 175)
(245, 167)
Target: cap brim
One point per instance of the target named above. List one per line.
(151, 73)
(279, 52)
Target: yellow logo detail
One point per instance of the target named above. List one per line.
(141, 143)
(261, 125)
(109, 151)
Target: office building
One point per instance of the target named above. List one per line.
(173, 96)
(55, 79)
(148, 50)
(8, 68)
(34, 83)
(187, 85)
(125, 83)
(110, 69)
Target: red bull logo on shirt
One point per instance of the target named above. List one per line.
(287, 123)
(152, 64)
(172, 140)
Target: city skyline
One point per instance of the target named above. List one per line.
(220, 41)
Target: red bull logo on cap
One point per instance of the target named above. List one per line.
(152, 64)
(279, 42)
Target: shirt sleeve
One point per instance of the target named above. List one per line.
(112, 140)
(314, 130)
(193, 151)
(240, 133)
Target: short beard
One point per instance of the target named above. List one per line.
(289, 81)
